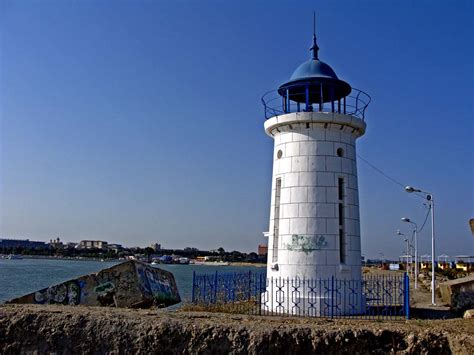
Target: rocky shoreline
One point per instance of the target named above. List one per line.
(44, 329)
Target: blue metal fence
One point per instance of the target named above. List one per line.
(373, 297)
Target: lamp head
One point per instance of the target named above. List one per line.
(405, 219)
(411, 189)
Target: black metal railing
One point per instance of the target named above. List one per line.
(355, 104)
(373, 297)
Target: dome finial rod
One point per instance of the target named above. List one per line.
(314, 47)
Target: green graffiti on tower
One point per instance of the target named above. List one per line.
(306, 243)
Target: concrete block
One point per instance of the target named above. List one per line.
(326, 179)
(346, 166)
(307, 179)
(298, 226)
(325, 210)
(290, 180)
(290, 210)
(299, 194)
(469, 314)
(285, 195)
(130, 284)
(332, 225)
(316, 194)
(286, 137)
(325, 148)
(292, 149)
(316, 163)
(334, 164)
(316, 225)
(299, 164)
(458, 293)
(285, 165)
(284, 226)
(307, 210)
(308, 148)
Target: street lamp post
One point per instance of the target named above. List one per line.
(415, 232)
(430, 199)
(408, 248)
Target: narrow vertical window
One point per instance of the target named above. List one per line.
(342, 236)
(276, 220)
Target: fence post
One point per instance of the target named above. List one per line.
(215, 288)
(250, 285)
(193, 296)
(332, 296)
(407, 295)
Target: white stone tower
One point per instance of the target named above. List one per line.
(314, 233)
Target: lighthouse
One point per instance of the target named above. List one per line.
(315, 119)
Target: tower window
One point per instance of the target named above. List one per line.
(340, 152)
(341, 189)
(276, 220)
(279, 154)
(342, 235)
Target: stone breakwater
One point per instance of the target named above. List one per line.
(98, 330)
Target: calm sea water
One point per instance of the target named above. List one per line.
(19, 277)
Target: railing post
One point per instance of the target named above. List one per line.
(332, 97)
(407, 295)
(307, 97)
(288, 106)
(320, 97)
(357, 103)
(344, 104)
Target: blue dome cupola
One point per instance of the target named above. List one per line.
(314, 81)
(313, 84)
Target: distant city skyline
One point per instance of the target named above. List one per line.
(141, 122)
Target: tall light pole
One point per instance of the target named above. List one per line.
(415, 231)
(430, 199)
(408, 247)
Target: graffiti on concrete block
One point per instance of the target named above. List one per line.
(306, 243)
(155, 283)
(66, 293)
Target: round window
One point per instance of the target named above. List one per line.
(279, 154)
(340, 152)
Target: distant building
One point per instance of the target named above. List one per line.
(115, 247)
(92, 244)
(262, 250)
(22, 243)
(155, 246)
(56, 243)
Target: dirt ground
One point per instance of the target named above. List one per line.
(99, 330)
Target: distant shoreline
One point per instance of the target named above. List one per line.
(48, 257)
(238, 263)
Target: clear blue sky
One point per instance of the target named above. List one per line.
(140, 121)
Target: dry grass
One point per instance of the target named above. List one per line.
(242, 307)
